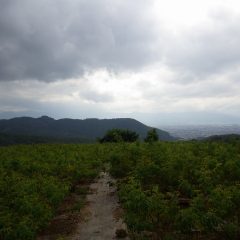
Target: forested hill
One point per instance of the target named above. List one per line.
(88, 129)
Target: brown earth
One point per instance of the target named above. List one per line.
(104, 214)
(96, 217)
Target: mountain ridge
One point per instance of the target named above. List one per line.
(90, 128)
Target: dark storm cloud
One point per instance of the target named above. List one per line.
(48, 40)
(56, 39)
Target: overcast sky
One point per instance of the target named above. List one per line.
(161, 62)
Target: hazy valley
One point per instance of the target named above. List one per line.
(200, 131)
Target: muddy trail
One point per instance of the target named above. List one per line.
(99, 219)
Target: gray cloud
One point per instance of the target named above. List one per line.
(206, 49)
(96, 97)
(117, 57)
(48, 40)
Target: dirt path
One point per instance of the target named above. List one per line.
(102, 213)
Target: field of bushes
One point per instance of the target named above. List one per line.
(34, 180)
(169, 190)
(181, 190)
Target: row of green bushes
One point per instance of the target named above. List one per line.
(35, 179)
(181, 190)
(177, 190)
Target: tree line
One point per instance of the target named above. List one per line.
(125, 135)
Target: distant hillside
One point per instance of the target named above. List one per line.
(88, 129)
(9, 139)
(224, 138)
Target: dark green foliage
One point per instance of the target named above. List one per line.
(224, 138)
(152, 136)
(8, 139)
(182, 190)
(35, 179)
(119, 135)
(169, 190)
